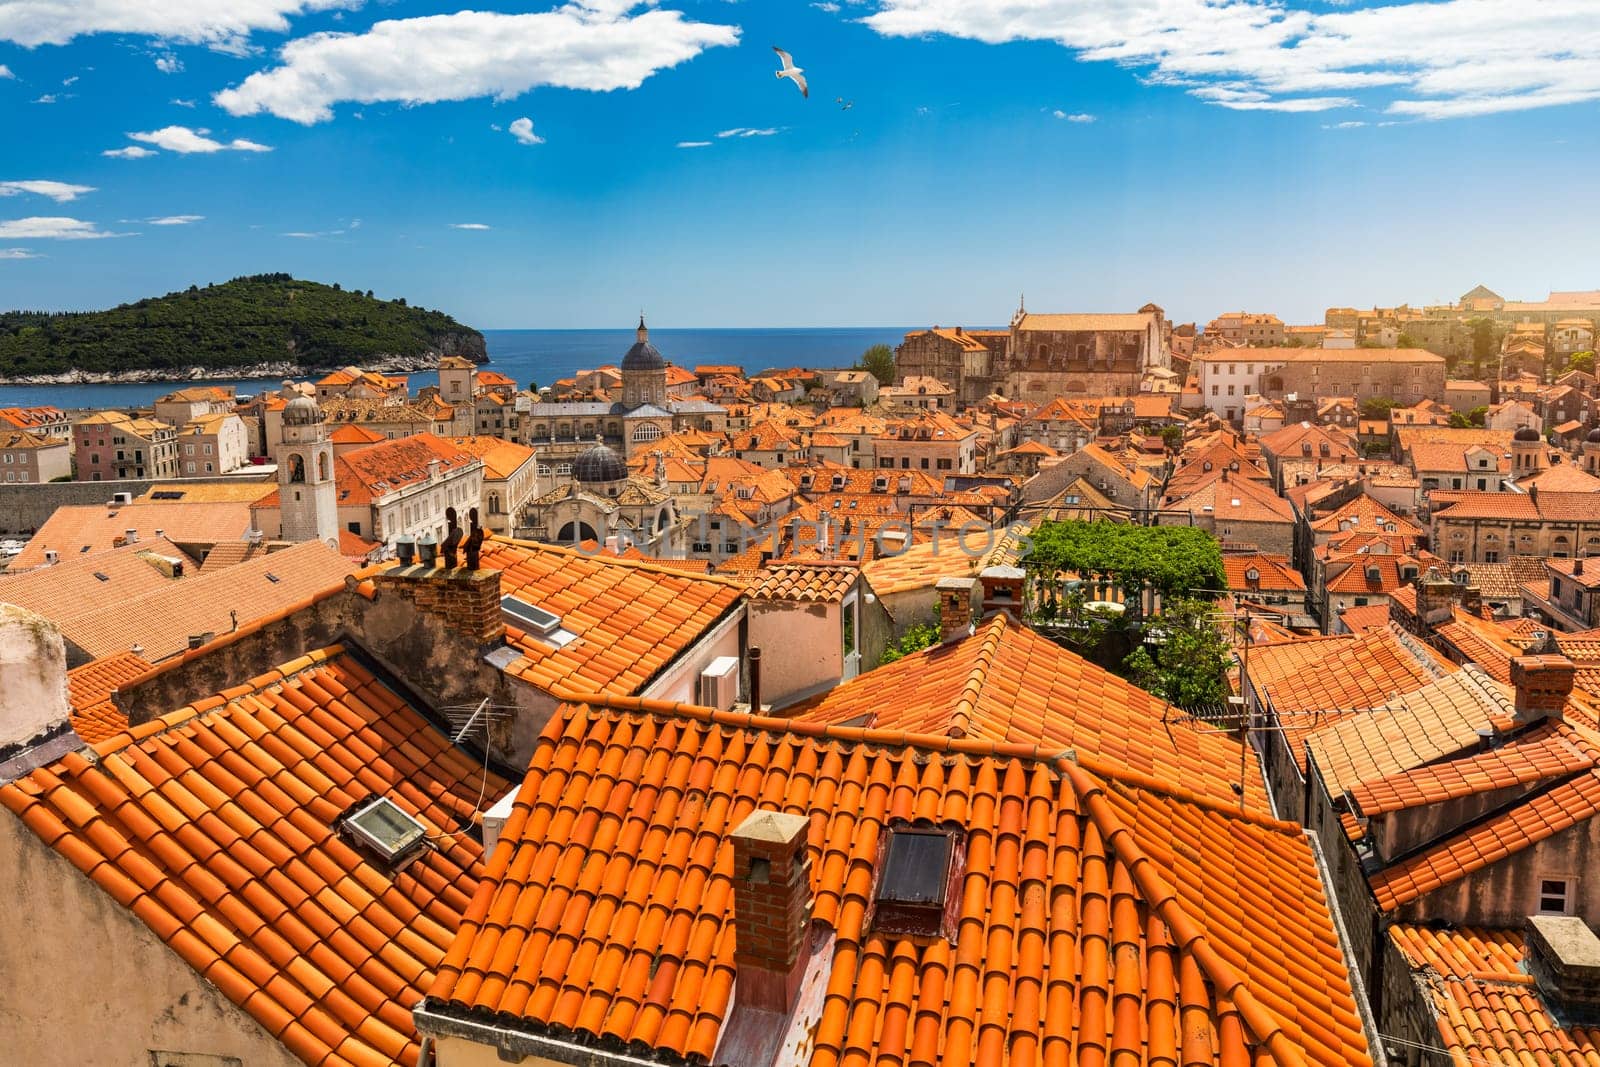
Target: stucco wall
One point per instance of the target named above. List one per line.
(33, 675)
(680, 680)
(92, 985)
(800, 648)
(1507, 892)
(24, 508)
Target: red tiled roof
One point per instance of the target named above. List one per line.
(1485, 1004)
(630, 618)
(821, 582)
(89, 689)
(216, 825)
(1504, 834)
(1550, 751)
(1118, 920)
(1273, 573)
(1007, 684)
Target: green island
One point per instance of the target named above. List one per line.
(260, 321)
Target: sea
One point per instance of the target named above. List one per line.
(541, 357)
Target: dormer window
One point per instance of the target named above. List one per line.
(916, 891)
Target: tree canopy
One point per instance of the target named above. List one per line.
(265, 318)
(1191, 659)
(879, 362)
(1176, 561)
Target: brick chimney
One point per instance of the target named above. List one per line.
(1543, 684)
(1002, 589)
(1563, 957)
(467, 601)
(771, 908)
(955, 607)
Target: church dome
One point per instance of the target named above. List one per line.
(1527, 433)
(302, 411)
(598, 465)
(643, 355)
(1594, 436)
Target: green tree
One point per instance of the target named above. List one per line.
(1378, 407)
(1485, 345)
(1176, 561)
(916, 638)
(1405, 340)
(1172, 437)
(1190, 664)
(1583, 361)
(879, 362)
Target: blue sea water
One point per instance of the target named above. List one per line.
(543, 356)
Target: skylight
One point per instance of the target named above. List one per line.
(387, 830)
(916, 881)
(530, 619)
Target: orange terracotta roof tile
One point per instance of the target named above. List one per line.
(89, 689)
(1427, 724)
(630, 618)
(80, 529)
(1547, 752)
(1486, 1006)
(1272, 573)
(1366, 618)
(1364, 674)
(218, 829)
(1503, 834)
(1100, 918)
(818, 582)
(1006, 684)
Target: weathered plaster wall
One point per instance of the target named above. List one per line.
(800, 648)
(33, 675)
(91, 984)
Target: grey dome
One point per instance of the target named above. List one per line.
(302, 411)
(599, 464)
(643, 355)
(1594, 436)
(1527, 433)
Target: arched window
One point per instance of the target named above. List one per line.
(322, 466)
(648, 432)
(494, 503)
(297, 468)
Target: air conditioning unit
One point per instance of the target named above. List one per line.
(121, 498)
(719, 683)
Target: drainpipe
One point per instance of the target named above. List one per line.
(755, 681)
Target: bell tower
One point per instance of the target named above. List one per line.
(308, 501)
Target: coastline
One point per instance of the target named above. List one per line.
(261, 371)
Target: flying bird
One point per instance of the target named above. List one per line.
(844, 105)
(789, 70)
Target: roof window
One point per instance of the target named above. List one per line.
(382, 828)
(915, 892)
(529, 618)
(273, 578)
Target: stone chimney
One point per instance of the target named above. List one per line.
(1563, 957)
(33, 665)
(467, 601)
(1543, 684)
(1002, 590)
(1436, 599)
(955, 607)
(771, 908)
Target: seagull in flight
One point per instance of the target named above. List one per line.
(789, 70)
(844, 105)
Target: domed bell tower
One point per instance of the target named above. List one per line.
(644, 373)
(308, 501)
(1591, 452)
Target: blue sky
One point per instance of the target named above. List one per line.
(1204, 154)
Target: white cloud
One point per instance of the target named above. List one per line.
(522, 130)
(47, 98)
(1343, 125)
(183, 103)
(17, 253)
(468, 226)
(60, 192)
(133, 151)
(219, 23)
(827, 5)
(1430, 59)
(169, 64)
(175, 220)
(596, 46)
(48, 228)
(745, 131)
(694, 144)
(1081, 116)
(184, 141)
(5, 73)
(69, 81)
